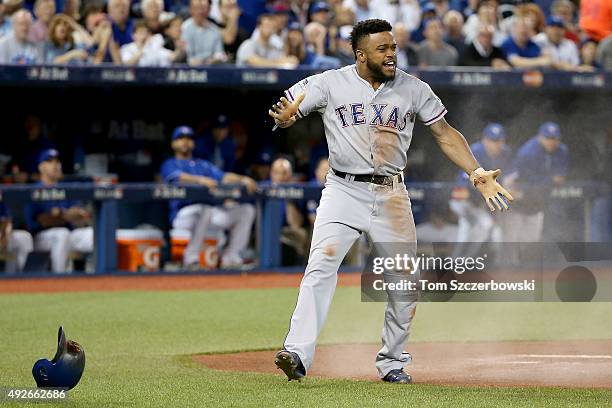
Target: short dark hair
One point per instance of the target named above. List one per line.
(367, 27)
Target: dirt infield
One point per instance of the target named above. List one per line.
(161, 282)
(584, 364)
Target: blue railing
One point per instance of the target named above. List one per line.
(268, 200)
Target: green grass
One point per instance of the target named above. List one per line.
(138, 346)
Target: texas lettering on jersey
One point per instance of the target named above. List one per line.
(353, 115)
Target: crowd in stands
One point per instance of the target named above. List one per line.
(502, 34)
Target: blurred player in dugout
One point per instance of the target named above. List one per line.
(15, 245)
(476, 224)
(540, 164)
(200, 219)
(60, 227)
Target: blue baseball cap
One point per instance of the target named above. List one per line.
(221, 121)
(494, 131)
(319, 6)
(182, 131)
(550, 130)
(428, 8)
(48, 154)
(555, 21)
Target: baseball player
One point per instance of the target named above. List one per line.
(541, 163)
(15, 245)
(59, 226)
(475, 224)
(368, 112)
(199, 218)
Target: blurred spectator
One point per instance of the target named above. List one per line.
(5, 21)
(295, 45)
(563, 52)
(294, 236)
(72, 8)
(520, 51)
(298, 11)
(15, 245)
(344, 50)
(218, 145)
(61, 49)
(122, 24)
(406, 50)
(233, 35)
(8, 9)
(486, 15)
(147, 50)
(15, 48)
(434, 52)
(260, 169)
(152, 15)
(173, 40)
(453, 25)
(103, 49)
(540, 164)
(532, 14)
(261, 51)
(564, 9)
(82, 37)
(61, 226)
(344, 16)
(202, 37)
(316, 37)
(361, 8)
(29, 146)
(596, 18)
(482, 53)
(428, 11)
(588, 50)
(199, 219)
(280, 14)
(604, 53)
(319, 13)
(44, 11)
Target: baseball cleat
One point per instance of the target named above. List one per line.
(398, 377)
(291, 365)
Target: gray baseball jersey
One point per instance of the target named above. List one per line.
(368, 131)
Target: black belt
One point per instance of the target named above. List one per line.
(369, 178)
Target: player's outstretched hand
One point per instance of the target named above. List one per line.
(494, 194)
(284, 112)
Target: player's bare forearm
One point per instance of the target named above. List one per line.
(454, 145)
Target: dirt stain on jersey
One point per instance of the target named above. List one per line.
(386, 146)
(330, 250)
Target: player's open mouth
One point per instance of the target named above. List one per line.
(389, 65)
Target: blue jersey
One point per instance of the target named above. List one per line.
(510, 48)
(4, 212)
(223, 155)
(535, 168)
(312, 205)
(535, 165)
(172, 169)
(35, 208)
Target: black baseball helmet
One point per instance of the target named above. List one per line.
(66, 368)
